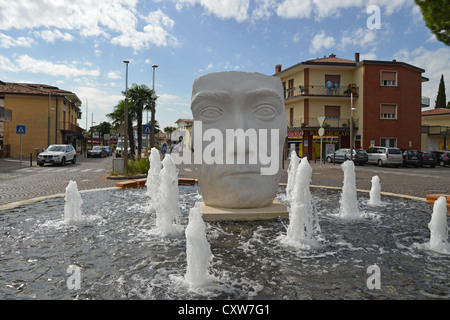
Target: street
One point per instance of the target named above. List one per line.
(21, 183)
(26, 182)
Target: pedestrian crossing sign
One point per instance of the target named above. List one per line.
(21, 129)
(146, 129)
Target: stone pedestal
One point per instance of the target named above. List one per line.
(274, 211)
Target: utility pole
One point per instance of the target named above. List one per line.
(125, 135)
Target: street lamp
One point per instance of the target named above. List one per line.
(125, 112)
(154, 97)
(351, 125)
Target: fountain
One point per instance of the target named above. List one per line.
(292, 172)
(167, 209)
(119, 254)
(303, 227)
(73, 203)
(375, 198)
(198, 250)
(153, 177)
(349, 203)
(438, 227)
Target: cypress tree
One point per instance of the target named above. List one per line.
(441, 99)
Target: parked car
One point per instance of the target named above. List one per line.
(97, 151)
(428, 159)
(109, 151)
(57, 154)
(341, 155)
(444, 160)
(385, 156)
(437, 154)
(411, 157)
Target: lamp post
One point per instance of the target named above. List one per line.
(49, 117)
(125, 112)
(152, 134)
(351, 125)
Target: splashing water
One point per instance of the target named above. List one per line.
(198, 250)
(167, 208)
(349, 203)
(73, 203)
(153, 176)
(292, 171)
(375, 199)
(303, 222)
(438, 227)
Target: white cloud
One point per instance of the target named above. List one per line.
(321, 41)
(114, 75)
(52, 35)
(361, 38)
(117, 20)
(9, 42)
(223, 9)
(25, 63)
(294, 9)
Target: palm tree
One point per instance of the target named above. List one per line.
(117, 117)
(141, 97)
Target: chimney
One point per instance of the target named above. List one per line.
(278, 68)
(357, 57)
(332, 55)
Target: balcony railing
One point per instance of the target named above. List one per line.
(67, 126)
(425, 102)
(328, 123)
(5, 115)
(319, 90)
(436, 130)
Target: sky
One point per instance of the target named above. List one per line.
(80, 45)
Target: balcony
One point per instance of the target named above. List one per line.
(71, 128)
(5, 115)
(333, 123)
(425, 102)
(436, 130)
(322, 91)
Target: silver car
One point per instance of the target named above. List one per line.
(383, 156)
(57, 154)
(341, 155)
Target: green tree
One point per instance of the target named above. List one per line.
(141, 97)
(441, 98)
(117, 118)
(436, 15)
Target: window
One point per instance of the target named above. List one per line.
(389, 78)
(388, 142)
(332, 83)
(291, 117)
(2, 102)
(332, 112)
(290, 88)
(388, 111)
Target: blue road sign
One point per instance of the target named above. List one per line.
(146, 129)
(164, 148)
(21, 129)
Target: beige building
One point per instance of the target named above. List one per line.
(436, 129)
(48, 114)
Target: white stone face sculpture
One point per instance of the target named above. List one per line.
(246, 112)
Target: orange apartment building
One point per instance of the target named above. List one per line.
(48, 113)
(382, 99)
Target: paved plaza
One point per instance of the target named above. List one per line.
(22, 182)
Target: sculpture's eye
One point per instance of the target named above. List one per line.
(210, 114)
(265, 112)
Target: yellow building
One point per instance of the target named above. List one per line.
(48, 114)
(436, 129)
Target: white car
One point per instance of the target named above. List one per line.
(57, 154)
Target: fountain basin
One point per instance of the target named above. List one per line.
(121, 258)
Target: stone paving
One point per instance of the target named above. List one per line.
(18, 183)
